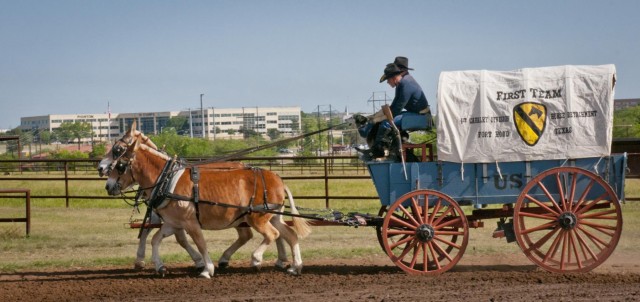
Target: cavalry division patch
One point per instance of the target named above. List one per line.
(530, 119)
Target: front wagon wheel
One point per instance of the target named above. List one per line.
(425, 232)
(567, 219)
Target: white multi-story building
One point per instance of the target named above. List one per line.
(219, 123)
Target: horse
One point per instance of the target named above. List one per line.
(230, 195)
(244, 233)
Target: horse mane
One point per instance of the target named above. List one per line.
(154, 151)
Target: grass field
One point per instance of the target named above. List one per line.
(95, 233)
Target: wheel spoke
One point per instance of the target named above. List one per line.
(449, 243)
(601, 228)
(575, 250)
(542, 205)
(542, 240)
(402, 222)
(584, 194)
(407, 248)
(594, 238)
(599, 215)
(425, 257)
(553, 201)
(433, 255)
(444, 214)
(540, 227)
(408, 215)
(414, 259)
(541, 216)
(440, 232)
(400, 232)
(440, 250)
(561, 192)
(400, 242)
(572, 194)
(436, 209)
(584, 245)
(564, 252)
(553, 248)
(416, 212)
(593, 203)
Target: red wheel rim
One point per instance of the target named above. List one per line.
(567, 220)
(424, 240)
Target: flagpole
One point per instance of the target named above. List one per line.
(109, 122)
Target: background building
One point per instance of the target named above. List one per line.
(625, 103)
(219, 123)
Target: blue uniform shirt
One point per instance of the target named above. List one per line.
(409, 96)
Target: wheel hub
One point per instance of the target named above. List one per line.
(567, 220)
(425, 233)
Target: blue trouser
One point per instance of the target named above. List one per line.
(404, 121)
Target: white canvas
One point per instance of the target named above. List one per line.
(527, 114)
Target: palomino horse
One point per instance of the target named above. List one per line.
(226, 199)
(244, 233)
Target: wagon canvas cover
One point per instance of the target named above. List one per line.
(527, 114)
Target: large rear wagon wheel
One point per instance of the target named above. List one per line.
(421, 230)
(567, 220)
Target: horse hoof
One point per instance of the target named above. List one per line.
(162, 271)
(294, 271)
(139, 265)
(223, 265)
(257, 268)
(281, 266)
(205, 274)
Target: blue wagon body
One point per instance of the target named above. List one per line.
(486, 183)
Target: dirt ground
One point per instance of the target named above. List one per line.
(504, 278)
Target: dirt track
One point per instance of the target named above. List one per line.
(348, 280)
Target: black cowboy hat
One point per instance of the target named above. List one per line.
(389, 71)
(402, 62)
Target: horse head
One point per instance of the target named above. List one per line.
(119, 166)
(104, 167)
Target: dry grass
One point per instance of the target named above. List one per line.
(94, 233)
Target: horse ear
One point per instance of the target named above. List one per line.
(132, 129)
(134, 146)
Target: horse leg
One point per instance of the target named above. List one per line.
(282, 252)
(289, 235)
(244, 235)
(270, 233)
(164, 231)
(198, 238)
(142, 245)
(181, 238)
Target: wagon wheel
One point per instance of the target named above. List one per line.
(382, 212)
(572, 229)
(423, 240)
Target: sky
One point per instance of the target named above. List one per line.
(75, 57)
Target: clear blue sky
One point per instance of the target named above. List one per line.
(69, 57)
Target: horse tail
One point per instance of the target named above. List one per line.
(300, 225)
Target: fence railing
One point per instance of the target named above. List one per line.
(325, 168)
(27, 203)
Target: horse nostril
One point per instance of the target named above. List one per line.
(100, 171)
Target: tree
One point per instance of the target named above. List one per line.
(626, 122)
(77, 130)
(179, 123)
(274, 134)
(46, 137)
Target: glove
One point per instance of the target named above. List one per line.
(377, 117)
(360, 120)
